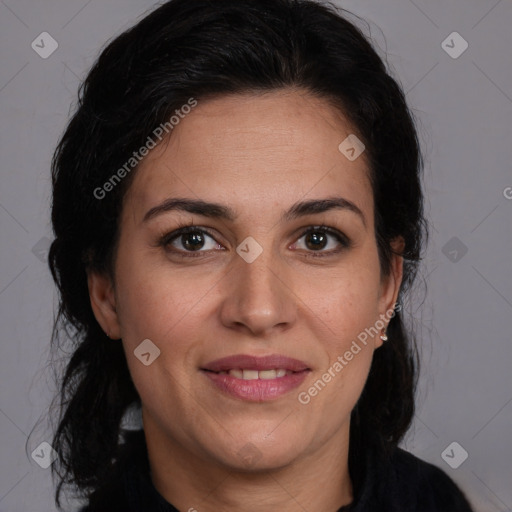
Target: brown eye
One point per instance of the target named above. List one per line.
(318, 238)
(189, 240)
(192, 241)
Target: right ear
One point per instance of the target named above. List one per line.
(103, 303)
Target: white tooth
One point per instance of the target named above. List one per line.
(267, 374)
(254, 374)
(250, 374)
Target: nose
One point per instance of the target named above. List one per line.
(258, 296)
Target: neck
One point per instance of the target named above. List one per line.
(319, 481)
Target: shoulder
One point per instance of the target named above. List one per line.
(424, 486)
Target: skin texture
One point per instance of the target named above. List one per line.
(258, 154)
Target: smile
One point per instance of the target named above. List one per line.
(256, 378)
(255, 374)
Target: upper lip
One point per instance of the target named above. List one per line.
(248, 362)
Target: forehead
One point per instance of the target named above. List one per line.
(254, 152)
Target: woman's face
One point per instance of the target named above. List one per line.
(252, 283)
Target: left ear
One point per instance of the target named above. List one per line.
(103, 303)
(390, 283)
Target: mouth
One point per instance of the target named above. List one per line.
(248, 363)
(247, 374)
(254, 378)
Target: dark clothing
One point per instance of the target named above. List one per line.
(402, 483)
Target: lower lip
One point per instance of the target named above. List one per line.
(256, 390)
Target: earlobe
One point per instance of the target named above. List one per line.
(103, 303)
(390, 285)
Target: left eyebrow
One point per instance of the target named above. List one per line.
(219, 211)
(322, 205)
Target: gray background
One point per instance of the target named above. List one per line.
(464, 111)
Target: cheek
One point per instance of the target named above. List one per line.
(153, 300)
(344, 301)
(342, 309)
(167, 309)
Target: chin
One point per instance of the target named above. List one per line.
(252, 453)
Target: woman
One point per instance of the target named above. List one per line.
(238, 209)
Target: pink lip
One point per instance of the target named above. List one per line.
(257, 390)
(247, 362)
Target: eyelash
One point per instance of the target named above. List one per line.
(167, 238)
